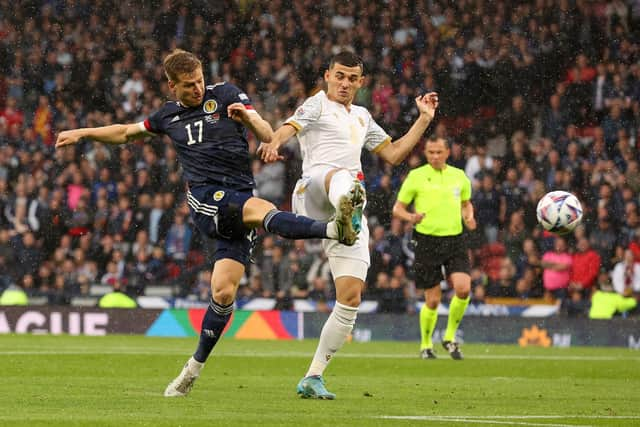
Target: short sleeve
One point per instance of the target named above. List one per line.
(235, 94)
(465, 193)
(306, 114)
(407, 190)
(154, 123)
(376, 138)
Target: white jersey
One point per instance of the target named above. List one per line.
(333, 136)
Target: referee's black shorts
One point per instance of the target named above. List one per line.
(434, 252)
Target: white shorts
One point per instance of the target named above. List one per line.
(310, 198)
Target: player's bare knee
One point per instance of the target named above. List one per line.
(462, 285)
(224, 289)
(463, 293)
(254, 211)
(224, 295)
(432, 303)
(350, 300)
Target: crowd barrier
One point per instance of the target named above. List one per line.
(287, 325)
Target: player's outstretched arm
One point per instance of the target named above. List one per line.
(112, 134)
(252, 120)
(398, 150)
(269, 151)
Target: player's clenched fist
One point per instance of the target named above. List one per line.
(238, 112)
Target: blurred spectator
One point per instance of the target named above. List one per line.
(518, 117)
(487, 204)
(504, 286)
(380, 201)
(178, 240)
(625, 276)
(557, 268)
(584, 268)
(270, 181)
(514, 236)
(476, 163)
(320, 294)
(603, 240)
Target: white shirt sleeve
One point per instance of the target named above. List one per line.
(617, 278)
(636, 278)
(306, 114)
(376, 138)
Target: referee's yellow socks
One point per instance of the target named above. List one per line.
(456, 312)
(428, 319)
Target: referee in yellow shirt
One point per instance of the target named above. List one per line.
(441, 195)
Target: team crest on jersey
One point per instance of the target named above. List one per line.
(218, 195)
(361, 121)
(210, 106)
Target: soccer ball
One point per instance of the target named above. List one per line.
(559, 212)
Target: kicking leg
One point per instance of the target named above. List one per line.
(224, 284)
(341, 188)
(258, 212)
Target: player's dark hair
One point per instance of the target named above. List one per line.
(180, 62)
(348, 59)
(434, 138)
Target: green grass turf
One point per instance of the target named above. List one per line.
(119, 380)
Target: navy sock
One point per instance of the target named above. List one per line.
(292, 226)
(213, 324)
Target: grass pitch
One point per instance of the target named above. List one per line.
(119, 380)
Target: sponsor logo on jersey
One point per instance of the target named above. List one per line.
(218, 195)
(175, 119)
(210, 106)
(213, 118)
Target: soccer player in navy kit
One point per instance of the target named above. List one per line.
(207, 127)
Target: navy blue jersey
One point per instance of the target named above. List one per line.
(212, 148)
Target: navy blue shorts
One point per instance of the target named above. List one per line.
(217, 212)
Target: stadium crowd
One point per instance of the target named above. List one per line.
(535, 96)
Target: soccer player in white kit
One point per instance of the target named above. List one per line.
(332, 132)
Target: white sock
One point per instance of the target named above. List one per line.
(332, 230)
(340, 185)
(194, 365)
(334, 333)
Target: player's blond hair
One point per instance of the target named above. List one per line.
(180, 62)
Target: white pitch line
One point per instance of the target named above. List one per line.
(480, 421)
(295, 354)
(520, 417)
(555, 417)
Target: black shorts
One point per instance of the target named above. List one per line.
(217, 212)
(435, 252)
